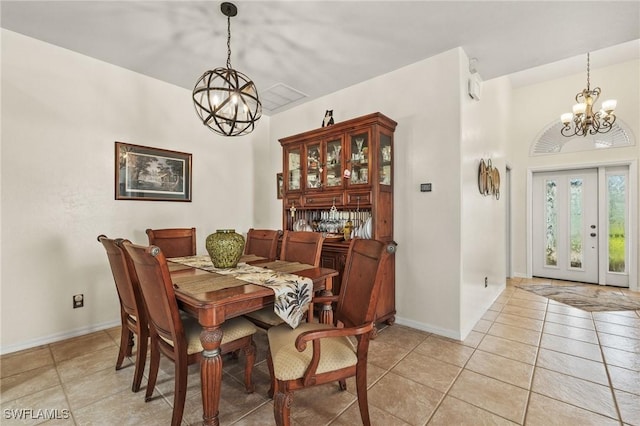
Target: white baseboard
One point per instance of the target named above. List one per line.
(57, 337)
(520, 275)
(428, 328)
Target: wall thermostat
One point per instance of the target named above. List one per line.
(425, 187)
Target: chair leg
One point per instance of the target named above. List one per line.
(250, 359)
(154, 365)
(130, 344)
(272, 385)
(342, 384)
(282, 401)
(141, 358)
(361, 389)
(180, 388)
(126, 340)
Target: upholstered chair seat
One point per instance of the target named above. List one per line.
(232, 329)
(336, 353)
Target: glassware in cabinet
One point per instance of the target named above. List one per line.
(333, 156)
(314, 167)
(359, 150)
(294, 171)
(385, 171)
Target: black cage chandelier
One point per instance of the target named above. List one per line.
(584, 120)
(227, 100)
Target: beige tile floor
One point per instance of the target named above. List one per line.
(529, 360)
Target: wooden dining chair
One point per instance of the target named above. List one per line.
(302, 247)
(314, 354)
(263, 243)
(174, 242)
(178, 336)
(133, 317)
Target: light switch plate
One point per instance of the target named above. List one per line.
(425, 187)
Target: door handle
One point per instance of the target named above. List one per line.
(593, 234)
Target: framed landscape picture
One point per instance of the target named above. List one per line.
(145, 173)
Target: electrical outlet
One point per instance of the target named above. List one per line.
(486, 282)
(78, 301)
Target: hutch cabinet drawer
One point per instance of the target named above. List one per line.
(355, 198)
(292, 199)
(323, 199)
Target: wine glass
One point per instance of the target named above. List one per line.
(336, 153)
(359, 142)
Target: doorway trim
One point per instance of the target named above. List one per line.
(633, 212)
(508, 221)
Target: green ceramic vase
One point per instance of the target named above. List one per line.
(225, 248)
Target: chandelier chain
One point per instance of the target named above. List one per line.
(588, 79)
(225, 99)
(229, 42)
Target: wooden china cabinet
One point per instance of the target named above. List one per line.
(340, 175)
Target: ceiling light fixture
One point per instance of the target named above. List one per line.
(585, 121)
(227, 100)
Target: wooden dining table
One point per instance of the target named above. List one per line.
(212, 303)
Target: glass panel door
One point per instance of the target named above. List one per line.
(551, 223)
(359, 147)
(293, 176)
(334, 163)
(576, 223)
(384, 160)
(617, 187)
(564, 225)
(314, 167)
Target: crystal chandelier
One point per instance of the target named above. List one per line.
(584, 120)
(226, 100)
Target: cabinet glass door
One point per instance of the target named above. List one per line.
(293, 167)
(333, 156)
(384, 159)
(314, 167)
(359, 146)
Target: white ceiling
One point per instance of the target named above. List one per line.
(319, 47)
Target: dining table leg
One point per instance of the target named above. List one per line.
(326, 311)
(211, 373)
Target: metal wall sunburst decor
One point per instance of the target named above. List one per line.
(227, 100)
(488, 179)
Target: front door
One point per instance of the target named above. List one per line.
(565, 225)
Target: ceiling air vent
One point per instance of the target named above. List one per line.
(278, 96)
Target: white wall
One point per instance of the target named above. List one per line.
(61, 114)
(484, 136)
(425, 99)
(538, 105)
